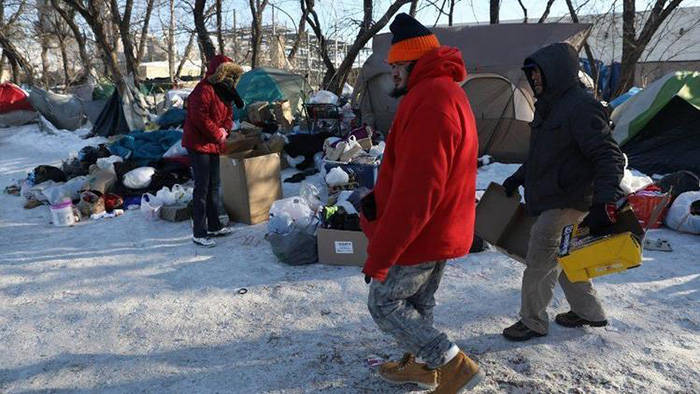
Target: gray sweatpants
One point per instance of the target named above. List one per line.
(403, 305)
(542, 272)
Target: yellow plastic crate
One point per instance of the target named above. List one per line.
(596, 257)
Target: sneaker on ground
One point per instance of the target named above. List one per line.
(206, 242)
(520, 332)
(460, 374)
(221, 233)
(408, 370)
(571, 319)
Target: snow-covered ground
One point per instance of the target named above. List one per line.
(125, 305)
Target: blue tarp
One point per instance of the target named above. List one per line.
(145, 147)
(608, 77)
(172, 118)
(620, 100)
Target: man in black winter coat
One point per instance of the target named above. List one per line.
(574, 167)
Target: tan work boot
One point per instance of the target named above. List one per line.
(408, 371)
(461, 373)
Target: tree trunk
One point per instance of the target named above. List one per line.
(256, 9)
(587, 49)
(313, 21)
(17, 61)
(45, 62)
(367, 31)
(524, 10)
(64, 60)
(545, 14)
(205, 43)
(452, 12)
(219, 33)
(414, 8)
(494, 11)
(123, 23)
(186, 55)
(300, 33)
(143, 40)
(77, 35)
(171, 43)
(632, 46)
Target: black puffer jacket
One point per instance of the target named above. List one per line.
(573, 160)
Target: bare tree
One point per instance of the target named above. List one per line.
(524, 10)
(205, 44)
(256, 9)
(368, 29)
(633, 46)
(587, 49)
(547, 9)
(94, 15)
(312, 19)
(186, 54)
(301, 33)
(414, 8)
(68, 17)
(171, 42)
(494, 11)
(219, 34)
(7, 27)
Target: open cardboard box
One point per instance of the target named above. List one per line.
(251, 183)
(503, 222)
(339, 247)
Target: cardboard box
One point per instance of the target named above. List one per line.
(283, 114)
(338, 247)
(503, 222)
(259, 112)
(251, 183)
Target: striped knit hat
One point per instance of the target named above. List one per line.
(411, 39)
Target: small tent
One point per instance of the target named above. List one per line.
(271, 84)
(64, 111)
(124, 112)
(493, 55)
(15, 109)
(659, 127)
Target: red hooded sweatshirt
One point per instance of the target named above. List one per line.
(206, 114)
(426, 190)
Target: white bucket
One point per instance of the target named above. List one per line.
(62, 214)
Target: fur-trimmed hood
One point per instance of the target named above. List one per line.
(220, 67)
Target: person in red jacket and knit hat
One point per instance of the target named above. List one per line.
(208, 123)
(421, 211)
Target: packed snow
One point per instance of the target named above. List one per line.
(128, 305)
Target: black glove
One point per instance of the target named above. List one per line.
(511, 185)
(600, 218)
(369, 207)
(368, 279)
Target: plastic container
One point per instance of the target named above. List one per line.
(62, 214)
(643, 203)
(366, 174)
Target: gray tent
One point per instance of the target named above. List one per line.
(497, 89)
(63, 110)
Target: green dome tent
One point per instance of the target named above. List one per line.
(270, 84)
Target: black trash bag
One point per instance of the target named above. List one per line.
(298, 247)
(679, 183)
(48, 173)
(478, 245)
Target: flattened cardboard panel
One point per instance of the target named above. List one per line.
(337, 247)
(264, 185)
(494, 214)
(517, 238)
(235, 195)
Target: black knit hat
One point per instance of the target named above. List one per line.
(410, 40)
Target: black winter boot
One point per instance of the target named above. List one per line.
(570, 319)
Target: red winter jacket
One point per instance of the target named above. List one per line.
(426, 190)
(206, 114)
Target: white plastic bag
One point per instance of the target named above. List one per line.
(182, 195)
(336, 176)
(679, 216)
(288, 212)
(377, 150)
(139, 178)
(165, 196)
(631, 182)
(71, 190)
(175, 151)
(104, 163)
(323, 97)
(150, 206)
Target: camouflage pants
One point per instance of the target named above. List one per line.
(403, 305)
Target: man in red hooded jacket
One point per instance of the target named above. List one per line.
(421, 212)
(209, 120)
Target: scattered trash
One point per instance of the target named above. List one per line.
(657, 244)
